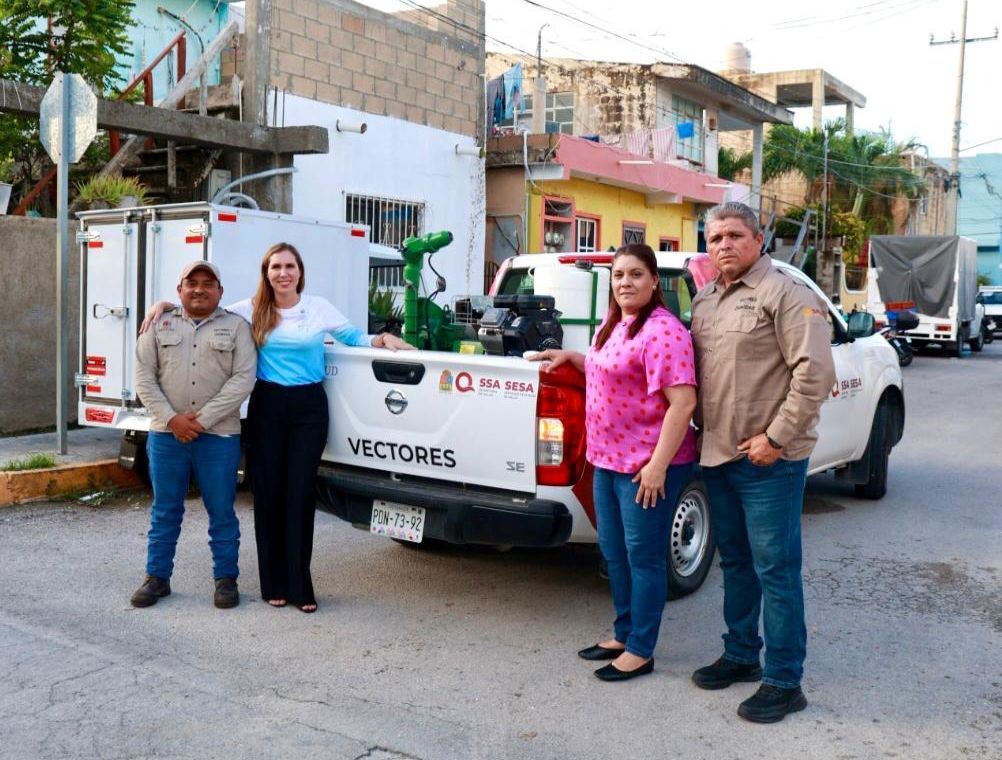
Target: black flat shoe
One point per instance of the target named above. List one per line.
(599, 652)
(611, 673)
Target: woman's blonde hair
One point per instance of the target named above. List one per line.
(265, 316)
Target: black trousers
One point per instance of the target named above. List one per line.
(287, 433)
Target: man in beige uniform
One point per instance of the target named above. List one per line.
(193, 371)
(764, 361)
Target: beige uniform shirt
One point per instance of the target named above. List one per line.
(209, 368)
(764, 363)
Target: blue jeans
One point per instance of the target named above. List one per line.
(214, 460)
(634, 542)
(756, 521)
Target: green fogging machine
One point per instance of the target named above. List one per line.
(509, 326)
(426, 324)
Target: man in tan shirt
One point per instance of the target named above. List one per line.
(193, 371)
(764, 362)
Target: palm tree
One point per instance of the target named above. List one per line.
(867, 172)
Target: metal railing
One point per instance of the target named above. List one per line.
(145, 77)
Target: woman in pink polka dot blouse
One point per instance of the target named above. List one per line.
(640, 395)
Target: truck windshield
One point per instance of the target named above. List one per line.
(993, 298)
(673, 286)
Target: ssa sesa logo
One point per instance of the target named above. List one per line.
(462, 382)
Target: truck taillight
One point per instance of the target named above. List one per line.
(549, 442)
(560, 436)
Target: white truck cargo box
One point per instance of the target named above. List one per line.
(131, 258)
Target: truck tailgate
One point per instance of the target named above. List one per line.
(465, 418)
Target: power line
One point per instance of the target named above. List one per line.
(606, 31)
(978, 145)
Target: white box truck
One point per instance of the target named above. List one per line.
(934, 275)
(131, 258)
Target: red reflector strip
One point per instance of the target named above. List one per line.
(600, 258)
(357, 233)
(943, 328)
(93, 388)
(194, 239)
(95, 244)
(98, 415)
(899, 305)
(226, 217)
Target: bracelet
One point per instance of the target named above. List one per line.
(772, 442)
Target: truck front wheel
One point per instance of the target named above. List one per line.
(877, 454)
(690, 544)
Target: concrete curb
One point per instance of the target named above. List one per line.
(53, 482)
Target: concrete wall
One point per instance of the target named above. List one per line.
(403, 161)
(609, 98)
(28, 314)
(153, 30)
(400, 65)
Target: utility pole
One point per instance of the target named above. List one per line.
(824, 201)
(955, 150)
(539, 89)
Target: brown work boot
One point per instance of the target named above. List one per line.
(152, 589)
(227, 594)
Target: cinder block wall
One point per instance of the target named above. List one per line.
(28, 314)
(413, 65)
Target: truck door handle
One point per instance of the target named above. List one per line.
(113, 311)
(398, 373)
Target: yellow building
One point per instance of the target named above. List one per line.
(553, 193)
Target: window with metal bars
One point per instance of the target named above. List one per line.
(390, 221)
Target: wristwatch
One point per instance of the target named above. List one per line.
(772, 442)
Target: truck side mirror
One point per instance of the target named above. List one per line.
(861, 324)
(980, 298)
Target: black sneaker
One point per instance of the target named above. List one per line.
(771, 703)
(227, 594)
(724, 672)
(152, 589)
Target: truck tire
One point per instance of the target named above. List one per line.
(877, 454)
(978, 343)
(958, 346)
(132, 455)
(690, 544)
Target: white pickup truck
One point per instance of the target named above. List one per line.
(481, 449)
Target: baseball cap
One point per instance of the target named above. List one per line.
(200, 264)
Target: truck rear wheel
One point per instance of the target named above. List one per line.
(977, 343)
(690, 545)
(877, 454)
(958, 346)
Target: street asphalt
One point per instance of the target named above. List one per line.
(469, 653)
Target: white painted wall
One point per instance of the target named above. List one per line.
(398, 159)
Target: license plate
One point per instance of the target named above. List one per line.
(397, 521)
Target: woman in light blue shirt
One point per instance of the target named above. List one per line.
(287, 418)
(286, 428)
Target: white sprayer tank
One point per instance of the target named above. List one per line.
(581, 295)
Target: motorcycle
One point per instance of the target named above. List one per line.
(899, 322)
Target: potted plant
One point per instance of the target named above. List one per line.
(384, 314)
(111, 192)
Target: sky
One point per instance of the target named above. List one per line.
(880, 48)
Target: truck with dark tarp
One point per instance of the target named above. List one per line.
(933, 275)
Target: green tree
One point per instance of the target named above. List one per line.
(39, 37)
(730, 164)
(867, 172)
